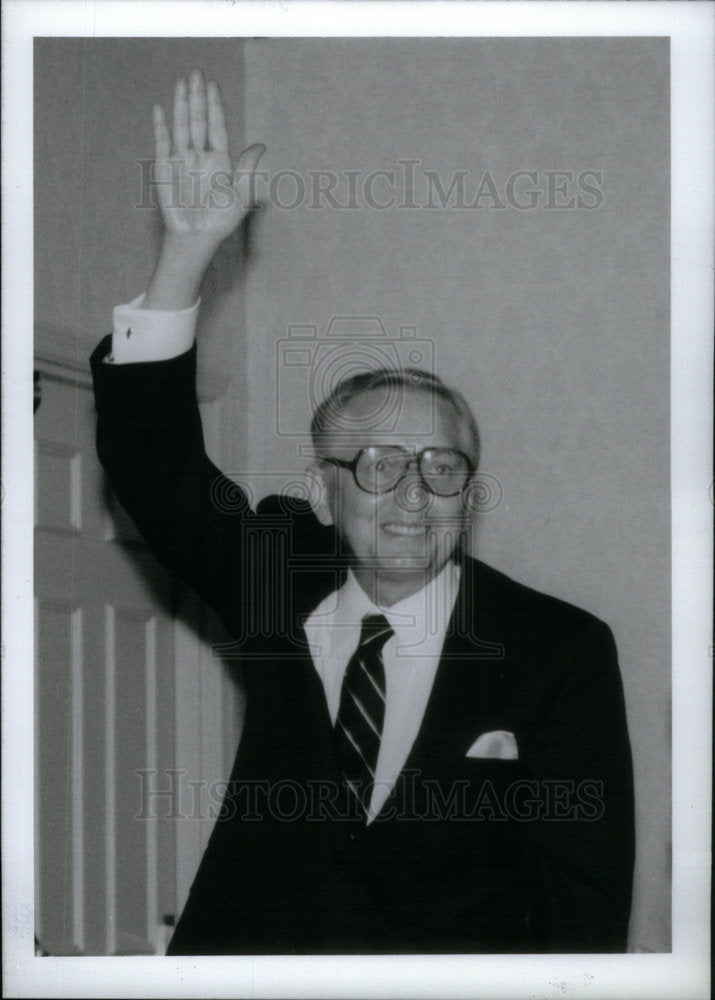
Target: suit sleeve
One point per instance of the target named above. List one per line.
(150, 442)
(584, 839)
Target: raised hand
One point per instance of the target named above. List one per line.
(199, 190)
(203, 196)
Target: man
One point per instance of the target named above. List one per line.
(434, 758)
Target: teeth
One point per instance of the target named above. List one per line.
(404, 529)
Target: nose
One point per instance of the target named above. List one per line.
(410, 491)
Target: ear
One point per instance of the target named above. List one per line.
(321, 480)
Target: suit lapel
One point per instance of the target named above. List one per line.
(476, 688)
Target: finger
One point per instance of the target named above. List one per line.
(218, 136)
(181, 117)
(162, 140)
(197, 110)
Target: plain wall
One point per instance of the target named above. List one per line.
(554, 323)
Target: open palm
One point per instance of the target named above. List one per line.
(200, 192)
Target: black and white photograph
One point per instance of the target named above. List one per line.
(365, 622)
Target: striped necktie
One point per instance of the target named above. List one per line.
(358, 727)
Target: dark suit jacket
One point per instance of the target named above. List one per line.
(468, 854)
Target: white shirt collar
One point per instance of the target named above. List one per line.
(422, 617)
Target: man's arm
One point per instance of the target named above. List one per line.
(150, 442)
(149, 435)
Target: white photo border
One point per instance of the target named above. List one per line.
(680, 974)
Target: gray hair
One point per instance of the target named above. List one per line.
(327, 415)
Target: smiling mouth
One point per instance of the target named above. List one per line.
(403, 529)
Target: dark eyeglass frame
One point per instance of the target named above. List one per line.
(414, 457)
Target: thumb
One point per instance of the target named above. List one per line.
(244, 173)
(248, 160)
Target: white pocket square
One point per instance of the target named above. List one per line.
(498, 745)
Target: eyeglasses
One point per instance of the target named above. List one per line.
(378, 469)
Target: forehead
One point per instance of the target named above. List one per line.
(387, 415)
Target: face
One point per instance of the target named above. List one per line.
(402, 538)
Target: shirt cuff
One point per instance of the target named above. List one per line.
(151, 334)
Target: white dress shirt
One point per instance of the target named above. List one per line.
(411, 655)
